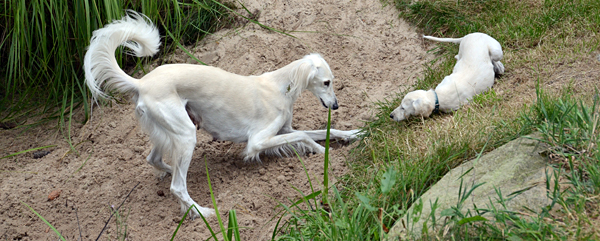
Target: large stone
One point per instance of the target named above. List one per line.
(512, 167)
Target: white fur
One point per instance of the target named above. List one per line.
(478, 61)
(172, 99)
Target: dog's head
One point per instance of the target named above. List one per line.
(320, 80)
(416, 103)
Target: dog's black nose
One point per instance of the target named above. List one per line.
(392, 115)
(335, 106)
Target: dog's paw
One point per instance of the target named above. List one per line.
(193, 211)
(206, 212)
(160, 174)
(320, 150)
(354, 134)
(351, 135)
(498, 68)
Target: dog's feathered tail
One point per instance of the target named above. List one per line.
(134, 31)
(446, 40)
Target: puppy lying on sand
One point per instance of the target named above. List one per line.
(478, 61)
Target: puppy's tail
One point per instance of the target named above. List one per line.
(134, 31)
(446, 40)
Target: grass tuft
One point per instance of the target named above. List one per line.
(43, 44)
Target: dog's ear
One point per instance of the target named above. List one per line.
(312, 71)
(304, 71)
(422, 107)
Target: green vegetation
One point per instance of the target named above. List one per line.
(43, 44)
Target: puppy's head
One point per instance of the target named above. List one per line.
(320, 81)
(416, 103)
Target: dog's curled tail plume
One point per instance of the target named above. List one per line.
(134, 31)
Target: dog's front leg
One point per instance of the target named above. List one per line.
(319, 135)
(260, 143)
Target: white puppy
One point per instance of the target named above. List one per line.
(478, 61)
(172, 100)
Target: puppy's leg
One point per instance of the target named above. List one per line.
(155, 159)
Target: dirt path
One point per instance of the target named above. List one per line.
(373, 55)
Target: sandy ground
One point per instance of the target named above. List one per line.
(372, 53)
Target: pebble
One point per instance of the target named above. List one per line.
(281, 178)
(40, 154)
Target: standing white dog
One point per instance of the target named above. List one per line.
(173, 99)
(478, 61)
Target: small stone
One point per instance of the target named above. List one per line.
(160, 193)
(262, 171)
(281, 178)
(40, 154)
(54, 194)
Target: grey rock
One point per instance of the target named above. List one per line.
(513, 167)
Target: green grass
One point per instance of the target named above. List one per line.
(43, 44)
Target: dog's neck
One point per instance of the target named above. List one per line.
(291, 79)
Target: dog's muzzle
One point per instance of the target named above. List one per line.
(334, 107)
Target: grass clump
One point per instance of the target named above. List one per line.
(43, 44)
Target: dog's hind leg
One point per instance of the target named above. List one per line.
(155, 159)
(495, 51)
(498, 68)
(173, 132)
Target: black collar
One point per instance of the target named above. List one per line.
(436, 110)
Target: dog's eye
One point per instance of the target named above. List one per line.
(326, 83)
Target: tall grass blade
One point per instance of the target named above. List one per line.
(233, 230)
(214, 201)
(28, 150)
(45, 221)
(326, 161)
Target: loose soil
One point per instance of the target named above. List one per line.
(372, 53)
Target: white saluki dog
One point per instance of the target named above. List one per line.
(173, 99)
(478, 61)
